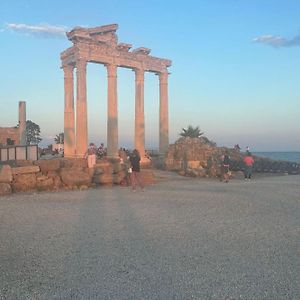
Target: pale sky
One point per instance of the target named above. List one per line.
(235, 67)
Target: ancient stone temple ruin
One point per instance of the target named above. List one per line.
(15, 135)
(100, 45)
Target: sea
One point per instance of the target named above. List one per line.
(286, 156)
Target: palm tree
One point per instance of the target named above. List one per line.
(59, 139)
(191, 132)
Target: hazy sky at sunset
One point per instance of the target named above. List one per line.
(235, 71)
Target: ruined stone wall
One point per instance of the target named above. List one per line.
(191, 154)
(9, 132)
(67, 174)
(194, 157)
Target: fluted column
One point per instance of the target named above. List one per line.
(81, 110)
(139, 134)
(163, 113)
(22, 123)
(112, 112)
(69, 114)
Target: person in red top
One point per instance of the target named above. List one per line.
(249, 162)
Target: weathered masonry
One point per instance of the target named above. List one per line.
(15, 135)
(100, 45)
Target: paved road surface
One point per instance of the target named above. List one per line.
(180, 239)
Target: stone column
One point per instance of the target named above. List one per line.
(163, 113)
(69, 114)
(112, 112)
(139, 135)
(81, 110)
(22, 123)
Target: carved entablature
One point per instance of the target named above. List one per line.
(78, 34)
(101, 34)
(100, 45)
(68, 56)
(124, 47)
(141, 50)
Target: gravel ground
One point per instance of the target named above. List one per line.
(180, 239)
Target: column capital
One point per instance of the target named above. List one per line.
(111, 70)
(163, 77)
(68, 70)
(68, 67)
(81, 64)
(139, 74)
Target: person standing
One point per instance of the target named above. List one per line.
(101, 151)
(135, 175)
(225, 171)
(249, 162)
(90, 155)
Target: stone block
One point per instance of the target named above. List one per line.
(6, 174)
(41, 177)
(118, 177)
(24, 163)
(117, 167)
(25, 170)
(48, 165)
(24, 182)
(75, 176)
(52, 174)
(73, 163)
(98, 171)
(193, 164)
(44, 183)
(5, 189)
(103, 178)
(57, 183)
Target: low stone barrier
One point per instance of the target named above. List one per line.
(55, 174)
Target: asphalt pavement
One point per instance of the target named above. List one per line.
(181, 238)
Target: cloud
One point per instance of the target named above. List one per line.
(41, 30)
(278, 41)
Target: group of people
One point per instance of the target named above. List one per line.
(93, 153)
(131, 160)
(248, 166)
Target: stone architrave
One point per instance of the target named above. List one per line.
(69, 114)
(139, 137)
(100, 45)
(81, 110)
(163, 113)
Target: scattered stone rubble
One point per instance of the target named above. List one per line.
(193, 157)
(197, 157)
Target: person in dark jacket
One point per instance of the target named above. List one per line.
(225, 164)
(135, 176)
